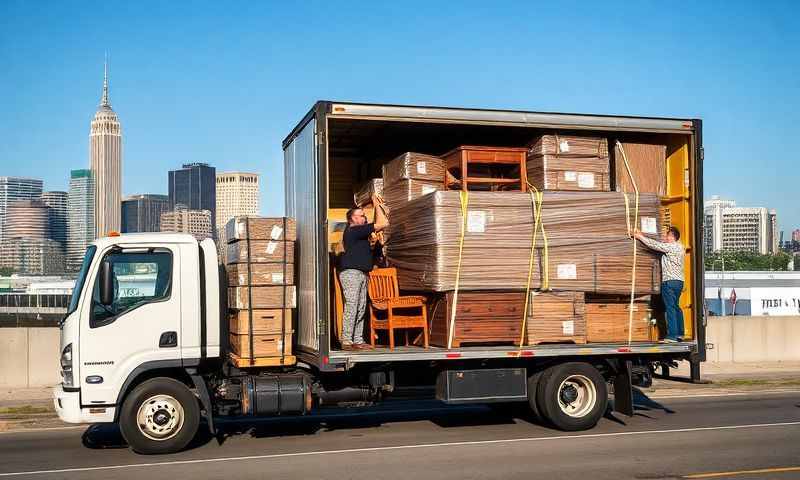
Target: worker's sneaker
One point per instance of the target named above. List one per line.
(348, 346)
(669, 340)
(362, 346)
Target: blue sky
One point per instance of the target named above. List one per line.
(224, 82)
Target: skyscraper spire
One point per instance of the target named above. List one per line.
(104, 100)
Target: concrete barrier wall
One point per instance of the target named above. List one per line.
(29, 357)
(753, 339)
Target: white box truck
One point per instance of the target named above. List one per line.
(143, 342)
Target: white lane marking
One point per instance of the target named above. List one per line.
(398, 447)
(724, 394)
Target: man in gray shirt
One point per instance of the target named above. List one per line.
(673, 252)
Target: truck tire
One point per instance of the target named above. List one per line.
(572, 396)
(533, 386)
(161, 415)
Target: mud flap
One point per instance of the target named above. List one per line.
(623, 389)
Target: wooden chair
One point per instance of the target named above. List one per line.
(394, 309)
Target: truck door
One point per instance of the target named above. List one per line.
(141, 325)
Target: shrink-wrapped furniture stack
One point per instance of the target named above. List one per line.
(531, 245)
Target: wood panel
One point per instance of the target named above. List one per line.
(278, 296)
(263, 251)
(265, 321)
(556, 317)
(608, 322)
(260, 228)
(240, 274)
(263, 345)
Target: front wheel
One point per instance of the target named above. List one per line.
(572, 396)
(159, 416)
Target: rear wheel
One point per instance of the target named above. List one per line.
(159, 416)
(533, 385)
(572, 396)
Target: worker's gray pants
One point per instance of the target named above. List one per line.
(354, 290)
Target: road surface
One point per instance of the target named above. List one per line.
(668, 438)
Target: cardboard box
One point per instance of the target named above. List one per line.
(260, 228)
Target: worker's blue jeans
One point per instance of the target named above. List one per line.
(671, 294)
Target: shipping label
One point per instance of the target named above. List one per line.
(571, 176)
(567, 271)
(476, 221)
(564, 146)
(277, 277)
(568, 327)
(426, 189)
(649, 225)
(586, 180)
(276, 232)
(422, 168)
(271, 246)
(240, 229)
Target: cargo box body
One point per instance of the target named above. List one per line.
(337, 147)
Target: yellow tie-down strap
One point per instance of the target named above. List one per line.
(537, 200)
(464, 197)
(630, 233)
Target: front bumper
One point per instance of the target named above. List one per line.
(68, 408)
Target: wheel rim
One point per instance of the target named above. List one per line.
(577, 396)
(160, 417)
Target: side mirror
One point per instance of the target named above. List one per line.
(106, 284)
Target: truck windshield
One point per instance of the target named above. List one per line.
(76, 291)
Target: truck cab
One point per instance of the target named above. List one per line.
(142, 304)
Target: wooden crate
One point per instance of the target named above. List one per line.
(608, 322)
(260, 274)
(263, 345)
(556, 317)
(260, 228)
(265, 321)
(263, 251)
(481, 317)
(278, 296)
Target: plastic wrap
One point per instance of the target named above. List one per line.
(569, 163)
(260, 228)
(588, 247)
(363, 194)
(414, 166)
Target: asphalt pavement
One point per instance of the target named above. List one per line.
(674, 437)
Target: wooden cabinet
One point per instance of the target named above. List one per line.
(481, 318)
(486, 168)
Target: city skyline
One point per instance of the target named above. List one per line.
(181, 103)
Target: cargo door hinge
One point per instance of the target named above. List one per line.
(321, 137)
(702, 153)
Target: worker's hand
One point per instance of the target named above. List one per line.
(376, 199)
(637, 234)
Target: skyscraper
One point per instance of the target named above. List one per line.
(57, 201)
(105, 152)
(80, 216)
(194, 188)
(14, 189)
(237, 194)
(142, 213)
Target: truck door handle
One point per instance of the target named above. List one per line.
(168, 339)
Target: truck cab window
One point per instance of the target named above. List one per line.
(138, 278)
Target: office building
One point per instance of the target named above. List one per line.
(105, 148)
(57, 201)
(731, 228)
(195, 222)
(80, 216)
(796, 235)
(14, 189)
(237, 194)
(26, 247)
(193, 187)
(142, 213)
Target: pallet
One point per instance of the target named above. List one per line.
(257, 362)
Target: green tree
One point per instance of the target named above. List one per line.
(6, 271)
(739, 261)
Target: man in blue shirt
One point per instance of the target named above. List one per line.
(354, 267)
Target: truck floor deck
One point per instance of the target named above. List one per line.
(413, 353)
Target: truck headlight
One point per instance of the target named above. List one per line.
(66, 365)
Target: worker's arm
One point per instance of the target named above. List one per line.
(652, 244)
(381, 220)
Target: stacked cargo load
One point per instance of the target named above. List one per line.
(569, 162)
(259, 264)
